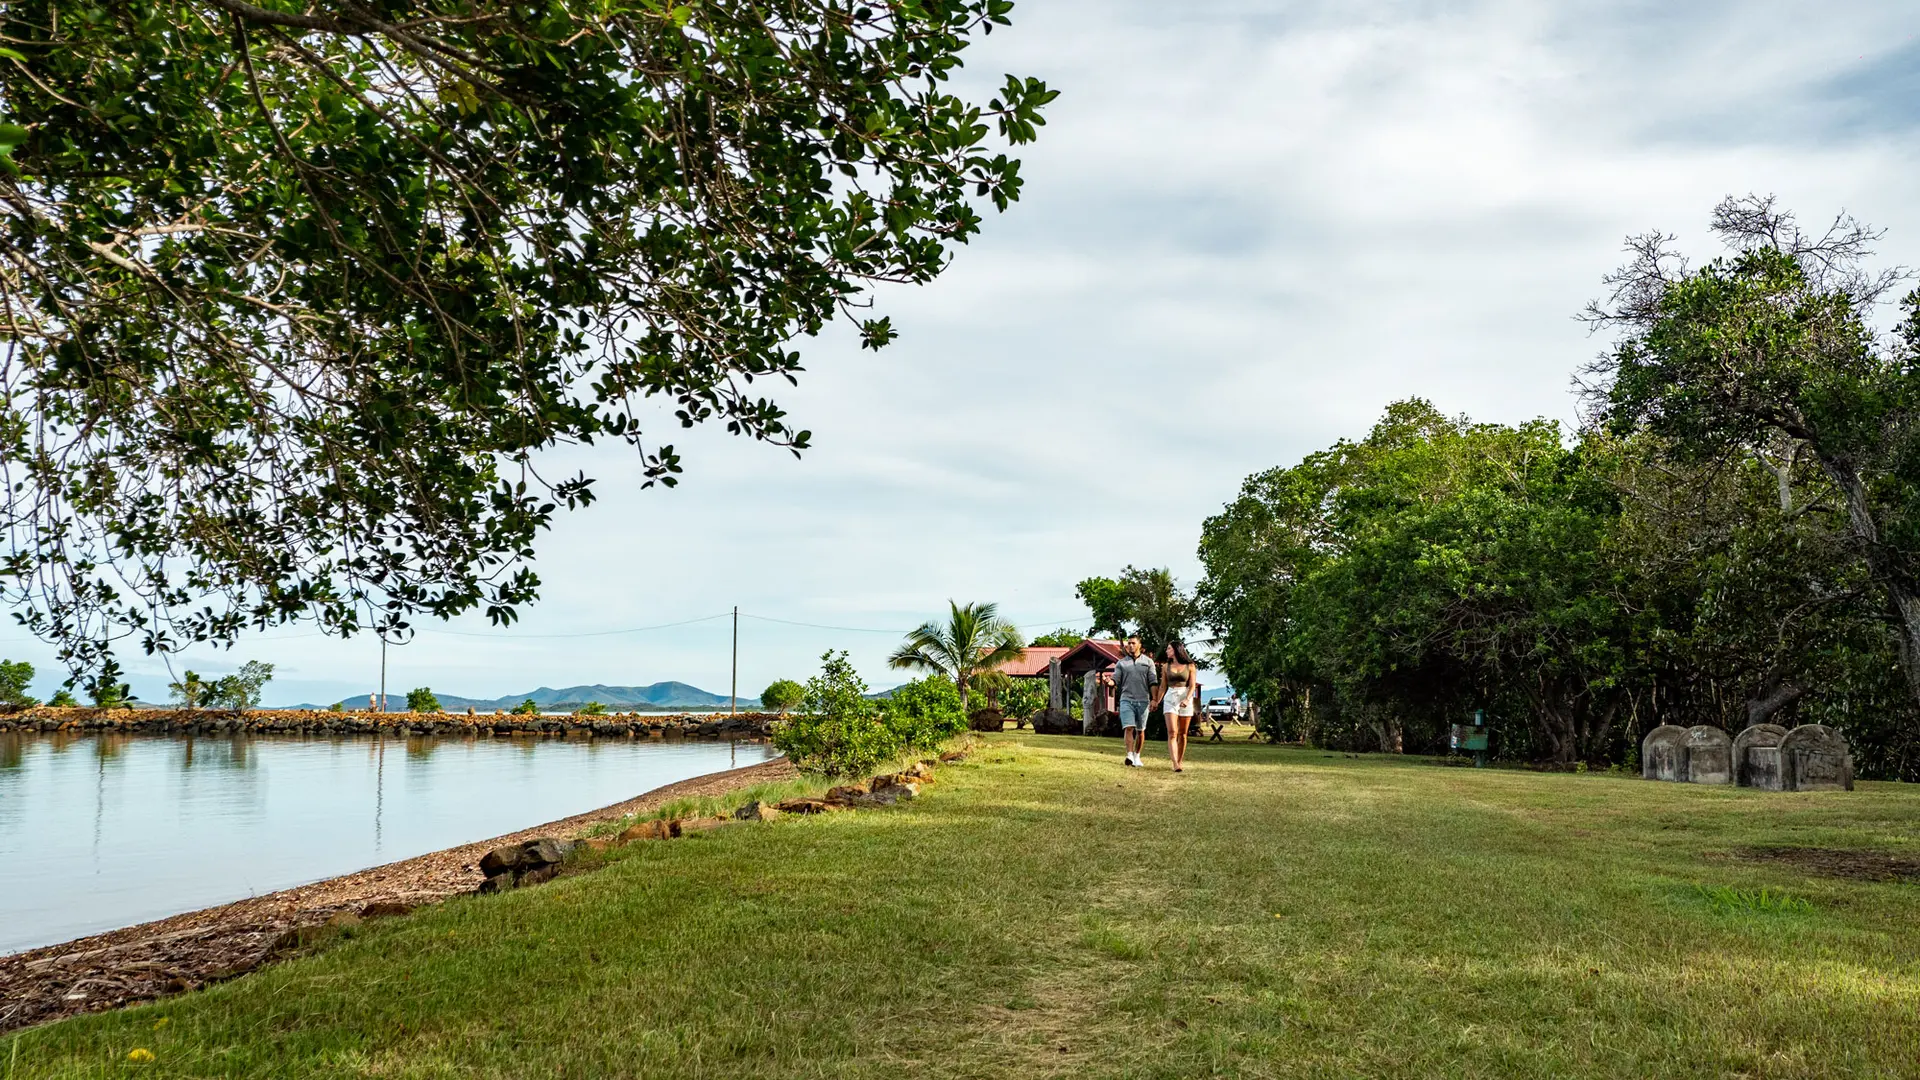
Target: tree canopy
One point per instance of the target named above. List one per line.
(295, 294)
(1148, 603)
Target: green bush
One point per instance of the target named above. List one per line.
(63, 699)
(782, 695)
(241, 690)
(422, 699)
(15, 675)
(841, 732)
(591, 708)
(1023, 698)
(926, 713)
(527, 708)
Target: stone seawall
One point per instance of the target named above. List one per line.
(321, 722)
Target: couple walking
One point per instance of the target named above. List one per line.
(1140, 686)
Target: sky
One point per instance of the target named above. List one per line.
(1246, 228)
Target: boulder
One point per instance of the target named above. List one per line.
(500, 882)
(1663, 753)
(846, 792)
(756, 811)
(650, 830)
(919, 770)
(385, 909)
(988, 719)
(539, 874)
(1709, 755)
(501, 860)
(954, 757)
(1814, 757)
(887, 795)
(1756, 757)
(1055, 722)
(806, 806)
(524, 858)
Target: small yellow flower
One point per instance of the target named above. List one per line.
(140, 1054)
(162, 1022)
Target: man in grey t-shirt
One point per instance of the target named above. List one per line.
(1134, 677)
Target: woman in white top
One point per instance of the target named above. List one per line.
(1177, 683)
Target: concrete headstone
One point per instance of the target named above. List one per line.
(1663, 753)
(1709, 756)
(1814, 757)
(1756, 757)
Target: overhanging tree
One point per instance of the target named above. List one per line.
(295, 293)
(1771, 353)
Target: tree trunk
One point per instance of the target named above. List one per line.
(1901, 598)
(1777, 697)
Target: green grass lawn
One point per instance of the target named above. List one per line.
(1042, 911)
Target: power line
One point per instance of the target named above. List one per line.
(875, 629)
(584, 633)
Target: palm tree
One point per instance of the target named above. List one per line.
(974, 640)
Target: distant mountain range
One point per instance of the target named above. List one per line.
(660, 695)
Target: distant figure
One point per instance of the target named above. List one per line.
(1233, 706)
(370, 704)
(1176, 700)
(1133, 679)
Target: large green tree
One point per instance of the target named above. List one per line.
(1435, 567)
(295, 293)
(1770, 353)
(1148, 603)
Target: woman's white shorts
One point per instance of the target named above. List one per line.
(1178, 702)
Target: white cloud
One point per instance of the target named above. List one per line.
(1246, 228)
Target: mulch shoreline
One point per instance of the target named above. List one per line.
(186, 951)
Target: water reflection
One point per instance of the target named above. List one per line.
(171, 824)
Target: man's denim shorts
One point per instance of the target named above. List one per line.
(1133, 714)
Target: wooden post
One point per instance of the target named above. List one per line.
(1056, 700)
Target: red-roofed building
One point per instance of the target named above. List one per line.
(1034, 665)
(1062, 666)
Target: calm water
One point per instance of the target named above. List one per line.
(99, 832)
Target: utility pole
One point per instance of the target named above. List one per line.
(383, 673)
(733, 691)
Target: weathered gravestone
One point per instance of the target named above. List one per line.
(1663, 753)
(1756, 757)
(1709, 756)
(1814, 757)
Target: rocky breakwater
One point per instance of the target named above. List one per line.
(327, 722)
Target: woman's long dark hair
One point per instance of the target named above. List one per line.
(1180, 651)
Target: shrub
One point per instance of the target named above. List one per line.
(841, 732)
(1024, 698)
(526, 708)
(338, 706)
(111, 695)
(15, 675)
(422, 699)
(926, 713)
(63, 699)
(239, 691)
(591, 708)
(782, 694)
